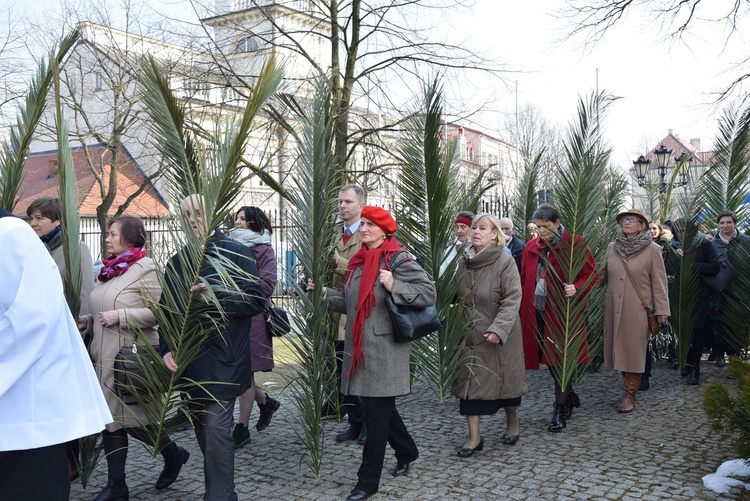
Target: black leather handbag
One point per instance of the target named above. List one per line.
(277, 321)
(410, 323)
(726, 275)
(130, 369)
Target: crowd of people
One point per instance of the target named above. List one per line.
(512, 294)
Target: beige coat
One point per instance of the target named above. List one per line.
(625, 324)
(124, 293)
(491, 371)
(346, 251)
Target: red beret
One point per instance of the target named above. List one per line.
(381, 217)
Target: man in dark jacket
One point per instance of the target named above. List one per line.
(515, 244)
(222, 364)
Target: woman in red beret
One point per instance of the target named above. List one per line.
(375, 367)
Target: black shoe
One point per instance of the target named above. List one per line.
(693, 378)
(721, 362)
(400, 470)
(644, 383)
(573, 401)
(351, 433)
(686, 370)
(465, 452)
(558, 421)
(241, 435)
(266, 412)
(116, 490)
(362, 438)
(512, 439)
(172, 467)
(357, 494)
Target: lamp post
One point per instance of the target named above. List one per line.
(663, 155)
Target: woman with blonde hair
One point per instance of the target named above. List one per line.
(492, 372)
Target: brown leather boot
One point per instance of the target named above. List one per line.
(632, 381)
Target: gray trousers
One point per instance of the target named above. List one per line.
(213, 431)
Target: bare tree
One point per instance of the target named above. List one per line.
(594, 18)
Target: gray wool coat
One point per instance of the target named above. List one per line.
(492, 286)
(386, 363)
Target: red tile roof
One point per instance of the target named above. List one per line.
(38, 182)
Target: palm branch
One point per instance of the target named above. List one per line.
(209, 167)
(312, 232)
(430, 197)
(16, 147)
(725, 186)
(526, 193)
(578, 195)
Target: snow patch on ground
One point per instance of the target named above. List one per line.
(722, 482)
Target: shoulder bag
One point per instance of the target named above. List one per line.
(277, 321)
(130, 369)
(409, 322)
(653, 322)
(726, 275)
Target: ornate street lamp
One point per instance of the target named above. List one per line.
(641, 169)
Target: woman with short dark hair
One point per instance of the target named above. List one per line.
(253, 229)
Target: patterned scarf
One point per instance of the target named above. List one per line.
(369, 260)
(116, 266)
(626, 247)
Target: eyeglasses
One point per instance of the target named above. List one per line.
(628, 219)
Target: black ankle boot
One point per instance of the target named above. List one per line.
(172, 465)
(574, 401)
(694, 377)
(115, 490)
(558, 418)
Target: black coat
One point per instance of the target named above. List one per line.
(225, 354)
(516, 247)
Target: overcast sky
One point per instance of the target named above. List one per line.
(663, 86)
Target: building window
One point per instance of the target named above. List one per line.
(247, 44)
(98, 81)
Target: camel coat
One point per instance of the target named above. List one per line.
(124, 293)
(346, 251)
(386, 364)
(625, 325)
(491, 371)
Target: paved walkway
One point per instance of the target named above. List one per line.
(660, 451)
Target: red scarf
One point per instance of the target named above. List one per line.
(116, 266)
(369, 260)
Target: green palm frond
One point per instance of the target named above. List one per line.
(579, 198)
(312, 234)
(210, 168)
(526, 199)
(16, 147)
(431, 195)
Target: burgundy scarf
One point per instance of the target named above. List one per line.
(369, 260)
(116, 266)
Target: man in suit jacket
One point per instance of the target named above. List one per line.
(223, 365)
(348, 242)
(515, 244)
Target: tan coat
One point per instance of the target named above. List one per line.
(346, 251)
(625, 324)
(124, 293)
(491, 371)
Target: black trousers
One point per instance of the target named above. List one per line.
(384, 426)
(34, 474)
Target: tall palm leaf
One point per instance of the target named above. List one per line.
(16, 147)
(578, 195)
(209, 167)
(312, 235)
(430, 197)
(526, 199)
(726, 186)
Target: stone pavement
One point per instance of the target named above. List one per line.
(660, 451)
